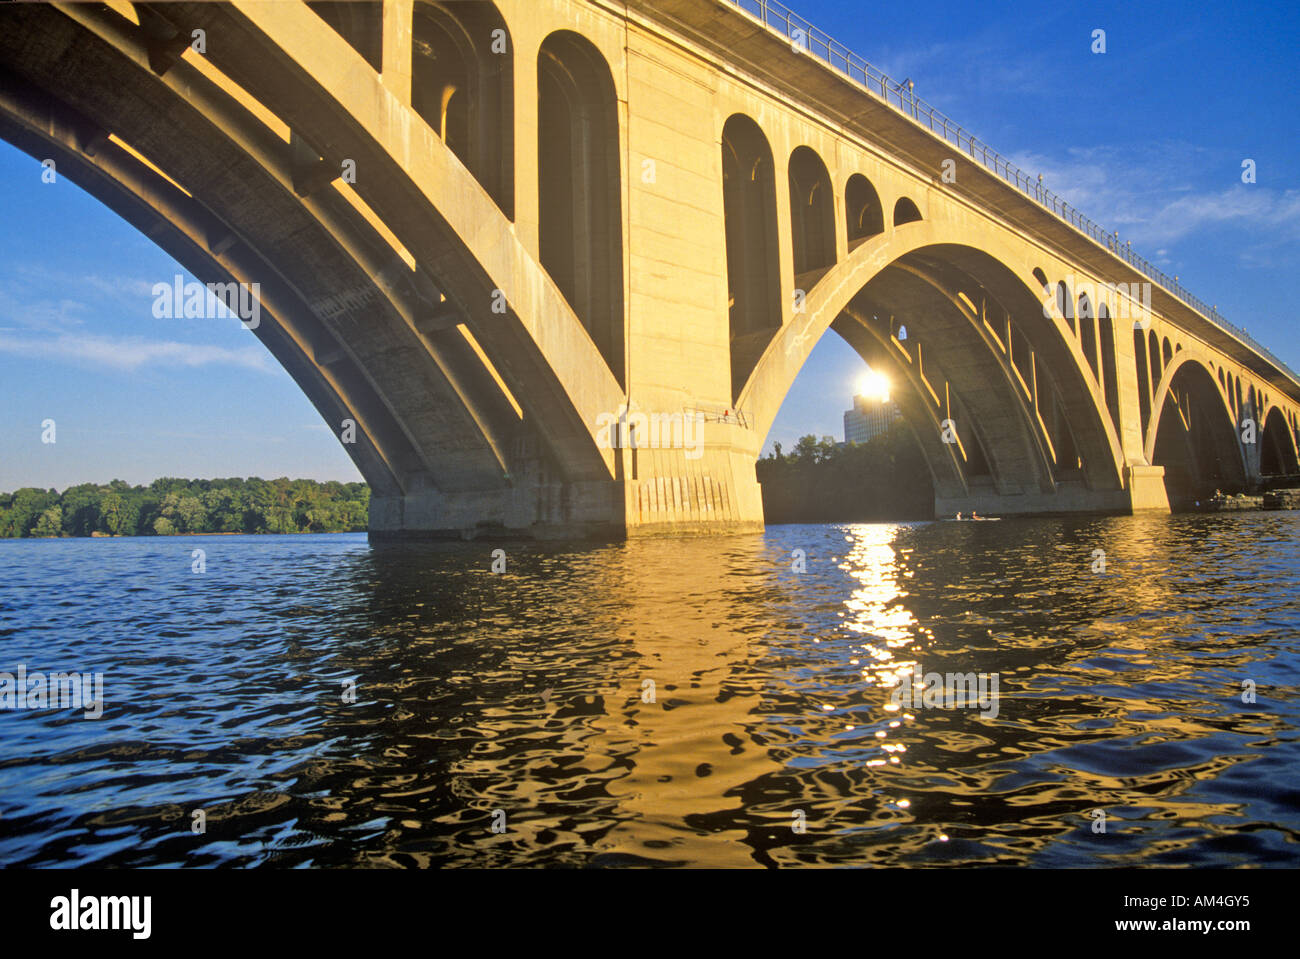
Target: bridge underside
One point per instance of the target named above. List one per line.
(546, 313)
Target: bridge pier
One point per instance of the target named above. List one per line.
(525, 510)
(1146, 489)
(669, 481)
(667, 493)
(1144, 492)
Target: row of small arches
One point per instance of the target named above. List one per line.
(462, 84)
(1240, 403)
(1152, 357)
(750, 219)
(1096, 335)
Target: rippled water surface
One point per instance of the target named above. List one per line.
(663, 702)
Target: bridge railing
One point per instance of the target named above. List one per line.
(781, 19)
(720, 416)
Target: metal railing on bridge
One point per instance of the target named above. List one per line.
(781, 19)
(720, 416)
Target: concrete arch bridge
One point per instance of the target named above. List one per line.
(559, 261)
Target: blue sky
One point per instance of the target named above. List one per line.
(1147, 138)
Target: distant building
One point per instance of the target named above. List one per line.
(869, 418)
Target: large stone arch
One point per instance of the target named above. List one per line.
(436, 210)
(383, 453)
(1193, 434)
(946, 245)
(1277, 447)
(432, 406)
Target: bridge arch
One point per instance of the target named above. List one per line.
(351, 276)
(364, 333)
(1194, 436)
(1277, 447)
(1011, 419)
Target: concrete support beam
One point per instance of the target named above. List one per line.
(398, 26)
(443, 317)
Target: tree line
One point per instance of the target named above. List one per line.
(171, 506)
(820, 481)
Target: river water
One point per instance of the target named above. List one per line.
(686, 702)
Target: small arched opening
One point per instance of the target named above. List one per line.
(905, 211)
(581, 208)
(753, 260)
(1065, 304)
(812, 212)
(866, 217)
(1088, 335)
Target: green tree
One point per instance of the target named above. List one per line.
(81, 509)
(171, 505)
(50, 523)
(191, 514)
(26, 507)
(113, 513)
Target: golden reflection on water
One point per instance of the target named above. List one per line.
(526, 693)
(683, 743)
(772, 701)
(878, 614)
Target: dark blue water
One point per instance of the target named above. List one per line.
(770, 739)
